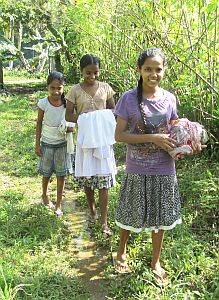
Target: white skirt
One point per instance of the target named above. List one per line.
(89, 162)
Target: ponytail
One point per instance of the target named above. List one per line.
(63, 99)
(140, 104)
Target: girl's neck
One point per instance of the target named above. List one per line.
(152, 93)
(89, 85)
(55, 101)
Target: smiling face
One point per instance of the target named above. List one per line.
(152, 71)
(55, 89)
(90, 73)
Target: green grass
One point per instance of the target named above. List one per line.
(37, 258)
(36, 250)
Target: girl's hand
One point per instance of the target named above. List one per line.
(163, 141)
(197, 148)
(38, 151)
(70, 129)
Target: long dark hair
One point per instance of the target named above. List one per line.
(60, 77)
(89, 59)
(151, 52)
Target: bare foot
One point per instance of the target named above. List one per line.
(94, 216)
(47, 202)
(92, 219)
(45, 199)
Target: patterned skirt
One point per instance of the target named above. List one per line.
(148, 202)
(95, 182)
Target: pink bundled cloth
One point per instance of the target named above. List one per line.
(186, 134)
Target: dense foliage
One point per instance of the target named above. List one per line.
(117, 31)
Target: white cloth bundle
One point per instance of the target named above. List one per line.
(94, 150)
(96, 129)
(68, 135)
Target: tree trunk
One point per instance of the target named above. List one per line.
(59, 38)
(52, 66)
(20, 36)
(58, 64)
(1, 76)
(24, 61)
(42, 60)
(11, 38)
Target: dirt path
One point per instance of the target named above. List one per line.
(90, 259)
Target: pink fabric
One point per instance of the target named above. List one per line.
(187, 134)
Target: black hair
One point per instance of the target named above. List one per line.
(89, 59)
(151, 52)
(60, 77)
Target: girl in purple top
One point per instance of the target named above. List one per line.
(149, 197)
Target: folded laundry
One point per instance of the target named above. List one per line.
(94, 150)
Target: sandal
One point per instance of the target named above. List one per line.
(121, 267)
(106, 231)
(48, 204)
(59, 213)
(160, 277)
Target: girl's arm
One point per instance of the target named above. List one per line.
(70, 109)
(122, 135)
(110, 103)
(38, 131)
